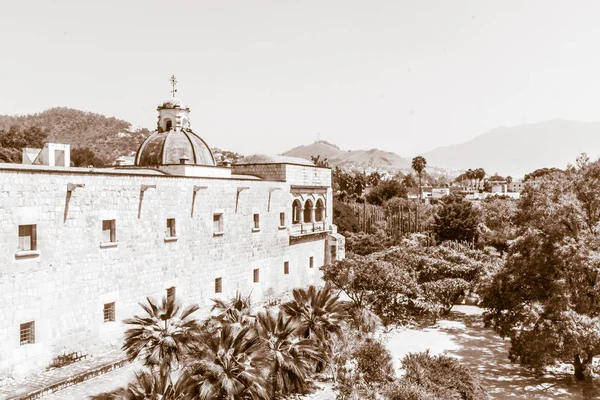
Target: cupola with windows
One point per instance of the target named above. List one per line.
(173, 142)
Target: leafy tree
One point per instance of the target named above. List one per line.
(497, 178)
(343, 217)
(320, 162)
(538, 173)
(386, 288)
(498, 227)
(374, 178)
(84, 157)
(348, 182)
(509, 179)
(385, 191)
(547, 297)
(163, 336)
(446, 292)
(408, 180)
(418, 164)
(14, 139)
(457, 219)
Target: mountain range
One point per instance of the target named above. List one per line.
(511, 151)
(523, 148)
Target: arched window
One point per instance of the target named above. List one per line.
(296, 210)
(319, 211)
(168, 124)
(308, 208)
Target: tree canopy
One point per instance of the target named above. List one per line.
(546, 299)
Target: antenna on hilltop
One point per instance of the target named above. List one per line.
(318, 136)
(173, 85)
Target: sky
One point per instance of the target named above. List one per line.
(266, 76)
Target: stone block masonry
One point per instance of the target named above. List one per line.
(75, 269)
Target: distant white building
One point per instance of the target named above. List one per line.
(53, 155)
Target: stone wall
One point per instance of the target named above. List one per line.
(64, 287)
(294, 174)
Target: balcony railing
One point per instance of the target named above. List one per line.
(309, 227)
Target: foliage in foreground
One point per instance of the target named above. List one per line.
(234, 354)
(546, 299)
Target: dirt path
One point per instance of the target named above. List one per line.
(463, 336)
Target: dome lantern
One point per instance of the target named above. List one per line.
(173, 142)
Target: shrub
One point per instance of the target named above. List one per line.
(408, 391)
(442, 377)
(374, 361)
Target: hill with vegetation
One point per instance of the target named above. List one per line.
(107, 137)
(373, 159)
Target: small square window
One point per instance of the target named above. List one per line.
(311, 262)
(218, 223)
(286, 268)
(256, 221)
(256, 276)
(281, 219)
(27, 333)
(219, 285)
(109, 312)
(109, 231)
(171, 293)
(27, 237)
(171, 228)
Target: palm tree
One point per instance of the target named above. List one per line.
(163, 336)
(148, 385)
(236, 311)
(229, 363)
(319, 313)
(291, 358)
(418, 164)
(470, 174)
(479, 175)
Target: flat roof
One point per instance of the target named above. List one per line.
(139, 171)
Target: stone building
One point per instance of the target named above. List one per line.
(80, 247)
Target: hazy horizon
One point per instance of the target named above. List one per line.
(264, 77)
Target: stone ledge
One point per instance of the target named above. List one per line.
(81, 377)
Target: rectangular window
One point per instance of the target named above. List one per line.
(171, 228)
(256, 276)
(109, 230)
(311, 262)
(27, 237)
(109, 312)
(256, 221)
(286, 268)
(219, 285)
(27, 333)
(281, 219)
(171, 293)
(218, 223)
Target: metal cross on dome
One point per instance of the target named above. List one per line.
(173, 84)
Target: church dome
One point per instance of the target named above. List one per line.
(173, 146)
